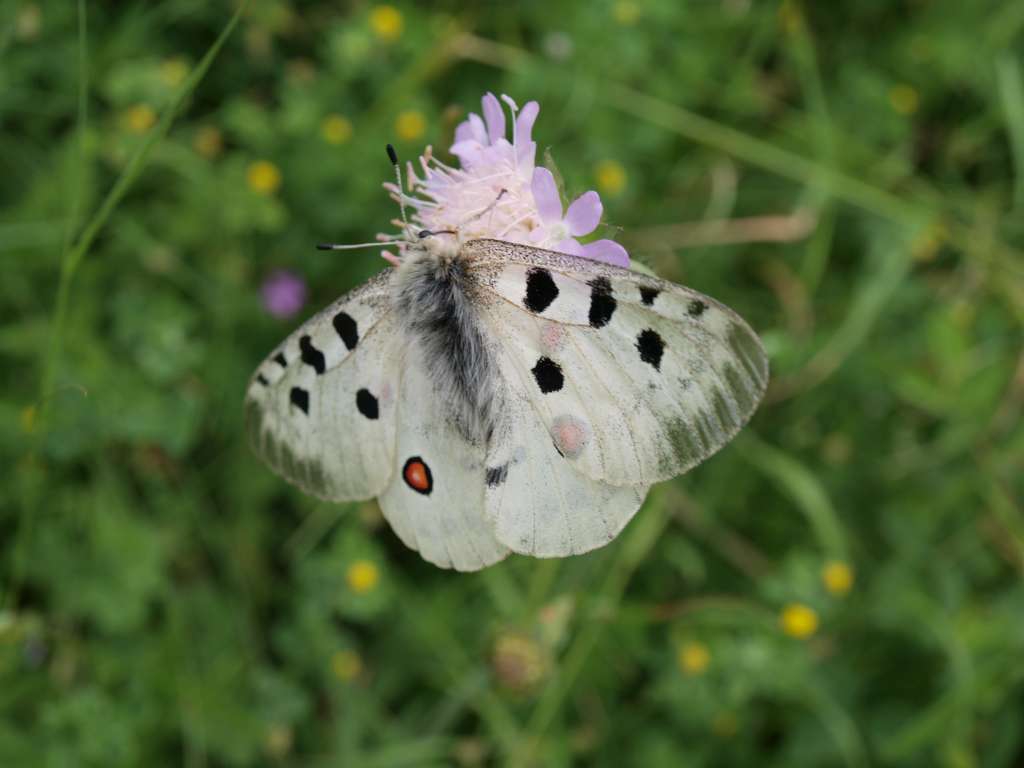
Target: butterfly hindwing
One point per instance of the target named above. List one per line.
(538, 503)
(661, 375)
(435, 501)
(321, 408)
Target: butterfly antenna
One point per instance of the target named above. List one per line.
(350, 246)
(393, 157)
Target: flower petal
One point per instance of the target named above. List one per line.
(524, 158)
(525, 120)
(477, 129)
(468, 151)
(584, 214)
(495, 117)
(570, 246)
(545, 195)
(607, 251)
(463, 131)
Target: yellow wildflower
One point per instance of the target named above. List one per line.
(798, 620)
(279, 740)
(904, 99)
(173, 71)
(362, 576)
(611, 177)
(346, 665)
(626, 13)
(410, 125)
(28, 419)
(140, 118)
(837, 576)
(693, 658)
(927, 243)
(386, 22)
(790, 17)
(263, 177)
(336, 129)
(28, 22)
(725, 725)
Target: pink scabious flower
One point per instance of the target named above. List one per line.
(498, 192)
(284, 293)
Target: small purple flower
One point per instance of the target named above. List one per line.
(284, 293)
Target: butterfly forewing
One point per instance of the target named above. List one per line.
(320, 409)
(661, 375)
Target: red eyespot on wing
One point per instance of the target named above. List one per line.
(417, 476)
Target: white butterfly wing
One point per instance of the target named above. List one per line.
(320, 410)
(435, 501)
(637, 378)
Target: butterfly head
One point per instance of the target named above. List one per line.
(440, 245)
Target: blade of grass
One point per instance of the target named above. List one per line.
(82, 125)
(459, 670)
(1011, 93)
(838, 723)
(892, 259)
(641, 537)
(805, 61)
(503, 589)
(545, 574)
(430, 750)
(72, 255)
(950, 715)
(30, 494)
(800, 484)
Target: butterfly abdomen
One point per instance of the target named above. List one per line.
(434, 299)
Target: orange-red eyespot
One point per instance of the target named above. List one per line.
(417, 476)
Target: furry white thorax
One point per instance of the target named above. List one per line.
(435, 294)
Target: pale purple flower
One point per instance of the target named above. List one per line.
(497, 192)
(582, 217)
(284, 293)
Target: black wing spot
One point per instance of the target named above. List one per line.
(367, 404)
(548, 375)
(696, 308)
(347, 329)
(300, 398)
(495, 476)
(651, 347)
(648, 295)
(602, 303)
(311, 355)
(279, 359)
(260, 378)
(540, 290)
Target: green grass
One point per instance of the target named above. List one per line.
(166, 600)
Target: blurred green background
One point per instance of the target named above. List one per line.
(841, 586)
